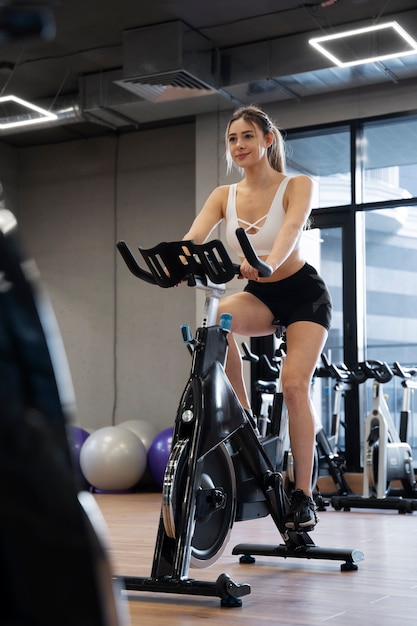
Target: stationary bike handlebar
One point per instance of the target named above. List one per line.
(403, 372)
(172, 262)
(339, 372)
(378, 370)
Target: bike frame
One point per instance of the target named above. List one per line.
(210, 418)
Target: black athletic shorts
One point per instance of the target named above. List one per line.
(302, 297)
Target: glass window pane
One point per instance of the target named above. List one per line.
(391, 299)
(325, 157)
(389, 160)
(391, 285)
(323, 249)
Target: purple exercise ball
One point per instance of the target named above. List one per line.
(158, 455)
(76, 438)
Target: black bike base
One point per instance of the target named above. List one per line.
(223, 588)
(350, 556)
(396, 503)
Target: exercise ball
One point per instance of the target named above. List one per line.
(76, 437)
(144, 430)
(158, 455)
(113, 459)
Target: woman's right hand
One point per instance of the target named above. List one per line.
(247, 271)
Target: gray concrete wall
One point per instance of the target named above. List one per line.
(121, 336)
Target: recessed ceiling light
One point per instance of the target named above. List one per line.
(366, 45)
(15, 112)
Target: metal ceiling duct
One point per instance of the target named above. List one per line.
(167, 62)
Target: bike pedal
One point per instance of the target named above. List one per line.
(300, 531)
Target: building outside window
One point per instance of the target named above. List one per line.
(363, 240)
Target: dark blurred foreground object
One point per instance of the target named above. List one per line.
(53, 564)
(23, 22)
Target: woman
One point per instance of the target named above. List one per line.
(274, 210)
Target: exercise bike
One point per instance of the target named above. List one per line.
(270, 402)
(330, 454)
(269, 405)
(386, 457)
(218, 471)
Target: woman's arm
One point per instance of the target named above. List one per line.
(297, 199)
(210, 215)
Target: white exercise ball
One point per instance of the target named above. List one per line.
(144, 430)
(114, 460)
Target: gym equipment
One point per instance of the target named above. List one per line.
(408, 377)
(53, 566)
(272, 407)
(158, 455)
(330, 456)
(266, 390)
(409, 384)
(386, 457)
(219, 471)
(113, 459)
(327, 457)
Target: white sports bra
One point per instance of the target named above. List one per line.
(264, 237)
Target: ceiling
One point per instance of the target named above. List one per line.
(94, 65)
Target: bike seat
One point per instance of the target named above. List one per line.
(266, 386)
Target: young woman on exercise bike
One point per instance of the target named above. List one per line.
(274, 209)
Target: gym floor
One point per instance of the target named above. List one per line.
(382, 592)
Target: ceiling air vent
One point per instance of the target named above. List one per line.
(167, 62)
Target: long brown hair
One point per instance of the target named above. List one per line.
(255, 115)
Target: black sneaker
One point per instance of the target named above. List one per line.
(302, 514)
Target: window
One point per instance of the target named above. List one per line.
(369, 262)
(391, 285)
(391, 299)
(388, 156)
(323, 249)
(325, 156)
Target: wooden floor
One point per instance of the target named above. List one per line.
(383, 592)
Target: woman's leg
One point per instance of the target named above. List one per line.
(305, 341)
(234, 372)
(251, 318)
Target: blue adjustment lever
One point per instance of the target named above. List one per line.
(186, 333)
